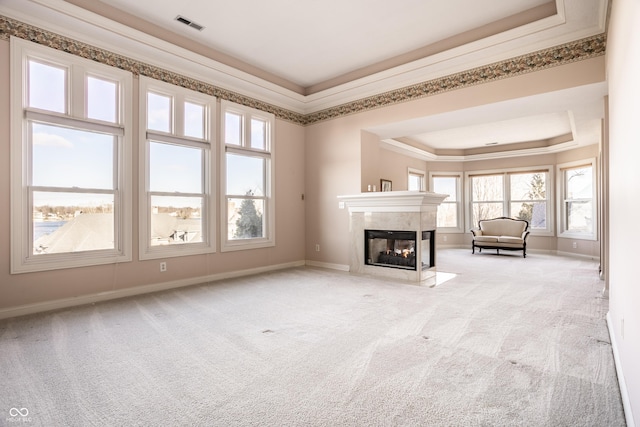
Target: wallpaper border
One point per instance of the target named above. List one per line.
(579, 50)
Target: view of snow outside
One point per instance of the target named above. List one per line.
(74, 170)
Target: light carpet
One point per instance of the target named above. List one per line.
(507, 341)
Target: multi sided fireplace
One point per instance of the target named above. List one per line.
(413, 212)
(397, 249)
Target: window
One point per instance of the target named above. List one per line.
(450, 210)
(177, 214)
(577, 192)
(416, 180)
(519, 194)
(71, 161)
(247, 178)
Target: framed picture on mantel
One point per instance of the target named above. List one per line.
(385, 185)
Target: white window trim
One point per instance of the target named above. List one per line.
(22, 261)
(459, 203)
(423, 174)
(269, 240)
(562, 232)
(208, 245)
(549, 231)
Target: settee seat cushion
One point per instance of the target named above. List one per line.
(486, 239)
(510, 239)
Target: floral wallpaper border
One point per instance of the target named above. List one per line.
(571, 52)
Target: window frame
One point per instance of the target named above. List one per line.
(74, 117)
(179, 96)
(562, 199)
(506, 202)
(459, 203)
(419, 173)
(245, 149)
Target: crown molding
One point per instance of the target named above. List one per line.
(418, 153)
(163, 61)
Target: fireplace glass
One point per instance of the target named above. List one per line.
(397, 249)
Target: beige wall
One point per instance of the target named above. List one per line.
(378, 162)
(32, 288)
(337, 165)
(623, 69)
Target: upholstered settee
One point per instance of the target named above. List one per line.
(501, 233)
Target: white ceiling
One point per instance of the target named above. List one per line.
(309, 42)
(310, 55)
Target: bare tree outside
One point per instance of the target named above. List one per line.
(487, 197)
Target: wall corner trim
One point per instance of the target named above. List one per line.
(626, 402)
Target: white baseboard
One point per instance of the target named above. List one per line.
(138, 290)
(341, 267)
(574, 255)
(626, 403)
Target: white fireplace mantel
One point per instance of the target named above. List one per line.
(414, 211)
(392, 201)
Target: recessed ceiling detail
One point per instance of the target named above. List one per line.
(570, 52)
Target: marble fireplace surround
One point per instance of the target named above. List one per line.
(392, 210)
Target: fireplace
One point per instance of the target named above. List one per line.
(408, 253)
(397, 249)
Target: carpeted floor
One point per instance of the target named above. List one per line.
(507, 341)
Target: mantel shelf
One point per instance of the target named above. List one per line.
(392, 201)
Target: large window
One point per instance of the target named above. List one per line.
(520, 194)
(450, 210)
(247, 178)
(70, 163)
(577, 206)
(177, 215)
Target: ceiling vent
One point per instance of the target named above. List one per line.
(189, 22)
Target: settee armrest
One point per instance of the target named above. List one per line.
(525, 234)
(476, 232)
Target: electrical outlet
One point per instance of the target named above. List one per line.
(444, 238)
(575, 245)
(317, 247)
(163, 267)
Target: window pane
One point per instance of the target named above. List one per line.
(72, 222)
(64, 157)
(102, 99)
(194, 120)
(245, 175)
(47, 87)
(175, 168)
(415, 182)
(528, 186)
(245, 218)
(258, 134)
(447, 215)
(534, 212)
(579, 216)
(487, 188)
(446, 185)
(232, 129)
(176, 220)
(486, 211)
(579, 183)
(158, 112)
